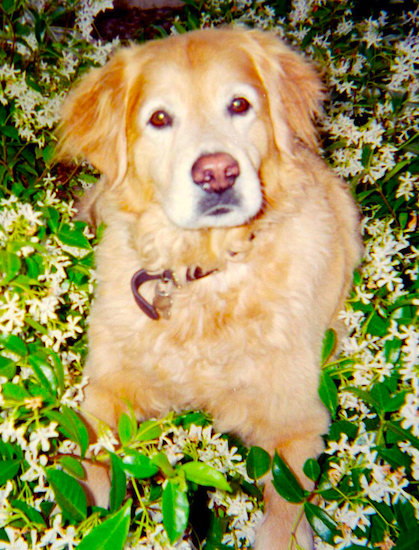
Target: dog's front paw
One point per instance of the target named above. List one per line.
(97, 484)
(275, 534)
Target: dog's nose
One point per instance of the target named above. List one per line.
(215, 172)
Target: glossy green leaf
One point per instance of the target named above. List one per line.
(13, 392)
(202, 474)
(149, 430)
(118, 482)
(258, 462)
(408, 540)
(162, 462)
(175, 509)
(44, 373)
(72, 466)
(8, 469)
(69, 495)
(7, 367)
(126, 430)
(321, 523)
(329, 345)
(138, 465)
(284, 481)
(311, 469)
(328, 393)
(10, 265)
(31, 513)
(72, 426)
(73, 236)
(111, 534)
(15, 344)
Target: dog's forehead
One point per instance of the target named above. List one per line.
(198, 60)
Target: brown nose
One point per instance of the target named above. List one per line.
(216, 172)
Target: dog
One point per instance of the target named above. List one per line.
(214, 195)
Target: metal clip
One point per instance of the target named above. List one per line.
(162, 300)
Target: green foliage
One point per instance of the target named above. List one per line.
(365, 483)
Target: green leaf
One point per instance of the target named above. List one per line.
(9, 5)
(48, 152)
(311, 469)
(111, 534)
(376, 325)
(72, 466)
(72, 426)
(118, 483)
(365, 396)
(10, 265)
(408, 540)
(8, 469)
(15, 344)
(329, 345)
(7, 367)
(68, 494)
(13, 392)
(328, 393)
(9, 131)
(162, 462)
(258, 462)
(52, 217)
(126, 429)
(402, 434)
(321, 523)
(44, 373)
(202, 474)
(31, 513)
(175, 509)
(284, 481)
(395, 402)
(138, 465)
(149, 430)
(73, 236)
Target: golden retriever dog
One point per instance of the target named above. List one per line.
(229, 244)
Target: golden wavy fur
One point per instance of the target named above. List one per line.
(208, 153)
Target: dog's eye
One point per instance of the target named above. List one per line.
(160, 119)
(239, 106)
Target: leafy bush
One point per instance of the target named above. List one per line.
(366, 480)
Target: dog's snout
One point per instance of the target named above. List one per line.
(215, 172)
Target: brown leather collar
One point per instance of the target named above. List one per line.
(166, 280)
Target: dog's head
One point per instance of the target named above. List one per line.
(187, 122)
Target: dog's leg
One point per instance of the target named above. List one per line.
(98, 407)
(284, 525)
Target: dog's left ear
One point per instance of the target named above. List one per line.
(293, 88)
(93, 119)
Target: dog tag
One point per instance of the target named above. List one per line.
(162, 300)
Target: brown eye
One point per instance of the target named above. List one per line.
(160, 119)
(239, 106)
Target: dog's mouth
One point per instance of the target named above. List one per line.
(218, 210)
(219, 204)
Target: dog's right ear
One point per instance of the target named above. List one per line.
(93, 119)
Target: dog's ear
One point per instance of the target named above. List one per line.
(293, 88)
(93, 119)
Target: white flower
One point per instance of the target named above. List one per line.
(410, 413)
(300, 11)
(43, 310)
(58, 537)
(344, 27)
(9, 432)
(105, 441)
(370, 33)
(16, 542)
(408, 186)
(12, 315)
(41, 436)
